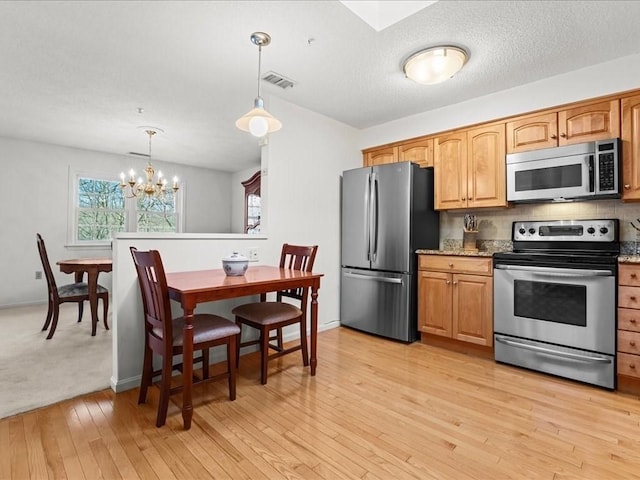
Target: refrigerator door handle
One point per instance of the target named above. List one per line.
(367, 215)
(374, 217)
(373, 278)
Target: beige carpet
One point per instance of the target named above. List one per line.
(35, 372)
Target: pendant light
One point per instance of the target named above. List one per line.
(258, 121)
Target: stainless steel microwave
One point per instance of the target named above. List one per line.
(582, 171)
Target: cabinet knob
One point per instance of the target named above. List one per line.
(470, 198)
(554, 136)
(455, 283)
(632, 366)
(632, 343)
(563, 135)
(632, 297)
(463, 198)
(627, 186)
(633, 320)
(448, 282)
(451, 265)
(633, 275)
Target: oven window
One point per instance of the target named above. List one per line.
(552, 302)
(551, 177)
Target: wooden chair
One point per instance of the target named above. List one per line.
(74, 292)
(163, 335)
(269, 316)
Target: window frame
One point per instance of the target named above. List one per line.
(130, 208)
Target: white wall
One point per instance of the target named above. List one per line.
(603, 79)
(34, 198)
(237, 197)
(301, 174)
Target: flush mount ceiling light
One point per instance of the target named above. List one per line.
(435, 64)
(258, 121)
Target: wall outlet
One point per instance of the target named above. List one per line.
(38, 275)
(252, 254)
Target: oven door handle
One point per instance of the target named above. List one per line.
(560, 272)
(555, 353)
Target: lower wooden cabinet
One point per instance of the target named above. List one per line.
(629, 328)
(455, 298)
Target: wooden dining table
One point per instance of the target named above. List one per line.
(194, 287)
(92, 267)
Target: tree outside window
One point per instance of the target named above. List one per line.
(100, 209)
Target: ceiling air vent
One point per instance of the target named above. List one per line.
(278, 80)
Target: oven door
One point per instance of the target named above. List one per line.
(563, 177)
(573, 307)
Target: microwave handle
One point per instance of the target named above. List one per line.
(592, 173)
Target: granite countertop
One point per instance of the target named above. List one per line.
(629, 259)
(486, 248)
(458, 252)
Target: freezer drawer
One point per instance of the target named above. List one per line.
(379, 302)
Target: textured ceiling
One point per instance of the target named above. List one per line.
(74, 73)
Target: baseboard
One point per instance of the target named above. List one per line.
(126, 384)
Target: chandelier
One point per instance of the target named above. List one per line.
(153, 186)
(258, 121)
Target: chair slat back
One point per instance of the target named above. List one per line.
(297, 257)
(48, 273)
(155, 294)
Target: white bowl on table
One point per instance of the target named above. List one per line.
(235, 265)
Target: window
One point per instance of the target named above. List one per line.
(100, 209)
(252, 207)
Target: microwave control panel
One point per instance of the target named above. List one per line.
(608, 152)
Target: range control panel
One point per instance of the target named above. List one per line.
(566, 230)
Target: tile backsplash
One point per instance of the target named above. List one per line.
(494, 224)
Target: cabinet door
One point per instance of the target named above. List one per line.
(532, 132)
(595, 121)
(420, 152)
(380, 156)
(486, 171)
(434, 303)
(631, 148)
(450, 166)
(473, 309)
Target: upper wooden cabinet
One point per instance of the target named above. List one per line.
(470, 168)
(416, 151)
(450, 166)
(581, 123)
(631, 148)
(379, 156)
(420, 152)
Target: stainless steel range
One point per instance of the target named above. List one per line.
(555, 299)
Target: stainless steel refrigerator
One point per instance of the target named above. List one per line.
(387, 214)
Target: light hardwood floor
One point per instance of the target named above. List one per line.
(376, 410)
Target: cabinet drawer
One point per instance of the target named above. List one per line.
(629, 342)
(629, 319)
(456, 264)
(628, 297)
(629, 275)
(629, 364)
